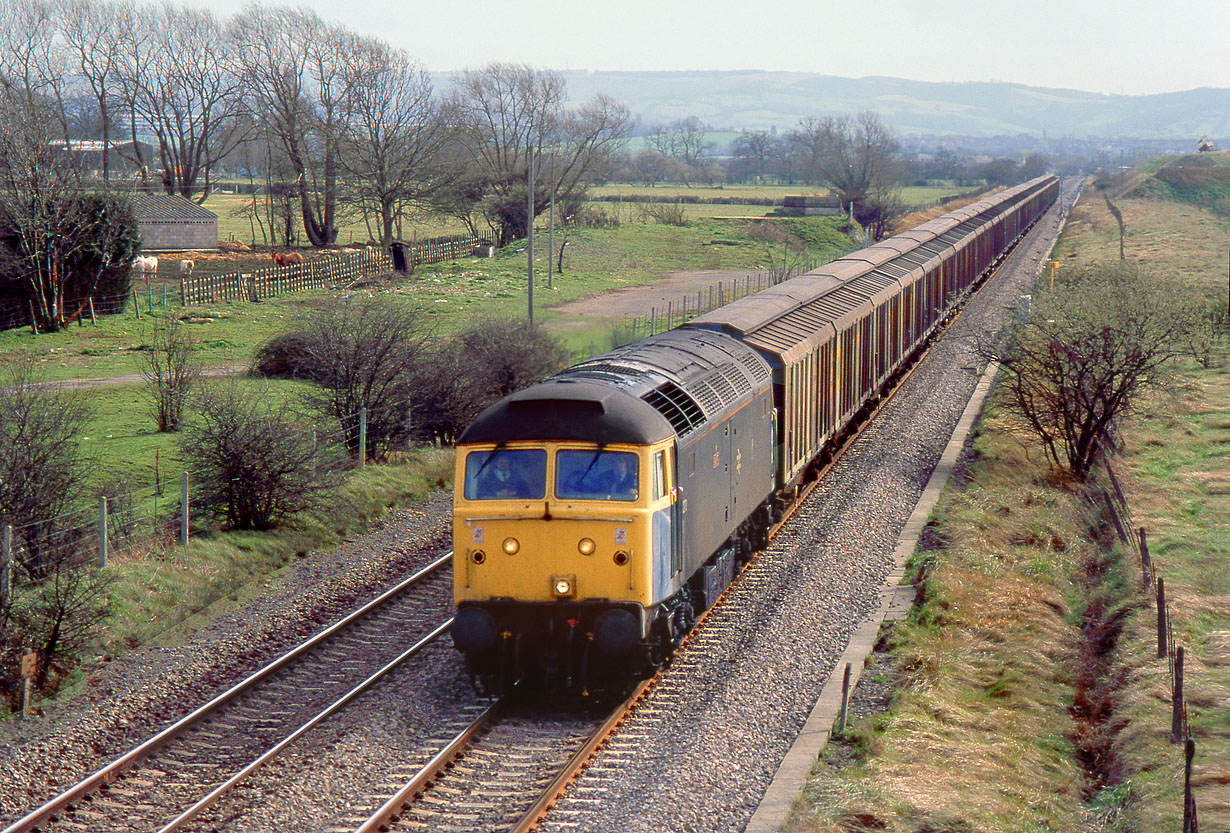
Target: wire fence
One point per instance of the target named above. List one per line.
(688, 306)
(1154, 584)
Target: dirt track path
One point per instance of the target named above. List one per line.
(636, 301)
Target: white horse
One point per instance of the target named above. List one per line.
(146, 265)
(186, 267)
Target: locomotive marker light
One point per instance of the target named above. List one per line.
(478, 557)
(511, 546)
(586, 546)
(563, 585)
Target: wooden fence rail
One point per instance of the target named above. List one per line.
(328, 270)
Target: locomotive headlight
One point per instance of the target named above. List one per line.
(511, 546)
(563, 585)
(586, 546)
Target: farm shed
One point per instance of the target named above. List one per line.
(811, 205)
(168, 222)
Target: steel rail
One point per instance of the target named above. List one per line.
(226, 786)
(433, 769)
(111, 771)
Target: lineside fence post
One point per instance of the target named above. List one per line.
(363, 437)
(845, 699)
(183, 509)
(1176, 702)
(102, 531)
(1161, 618)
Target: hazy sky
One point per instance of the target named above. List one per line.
(1124, 46)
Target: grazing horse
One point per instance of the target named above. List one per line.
(146, 265)
(186, 267)
(286, 258)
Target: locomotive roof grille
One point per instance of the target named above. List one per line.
(680, 410)
(759, 372)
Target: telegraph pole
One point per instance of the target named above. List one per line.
(551, 230)
(529, 248)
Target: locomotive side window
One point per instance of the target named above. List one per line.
(596, 475)
(506, 473)
(659, 475)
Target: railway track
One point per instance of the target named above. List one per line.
(506, 771)
(453, 807)
(499, 771)
(195, 761)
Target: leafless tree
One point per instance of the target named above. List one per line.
(93, 32)
(180, 84)
(363, 352)
(755, 154)
(1085, 355)
(31, 72)
(488, 360)
(62, 611)
(393, 151)
(171, 372)
(257, 465)
(57, 243)
(857, 157)
(511, 115)
(295, 68)
(41, 474)
(685, 140)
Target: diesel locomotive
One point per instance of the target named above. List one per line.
(599, 512)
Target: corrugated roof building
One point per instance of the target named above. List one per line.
(169, 222)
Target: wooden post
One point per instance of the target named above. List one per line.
(29, 670)
(1176, 700)
(183, 509)
(1146, 564)
(1114, 516)
(653, 320)
(1161, 617)
(670, 313)
(33, 320)
(845, 699)
(102, 531)
(1189, 800)
(93, 320)
(362, 437)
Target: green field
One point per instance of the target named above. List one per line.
(447, 295)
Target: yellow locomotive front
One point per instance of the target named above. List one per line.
(562, 535)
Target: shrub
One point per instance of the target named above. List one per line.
(257, 465)
(41, 475)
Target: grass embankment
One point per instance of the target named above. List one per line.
(1027, 695)
(162, 593)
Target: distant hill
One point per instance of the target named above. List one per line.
(755, 99)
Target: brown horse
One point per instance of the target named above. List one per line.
(286, 258)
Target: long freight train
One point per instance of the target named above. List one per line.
(598, 512)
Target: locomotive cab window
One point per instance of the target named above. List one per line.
(583, 474)
(506, 474)
(659, 475)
